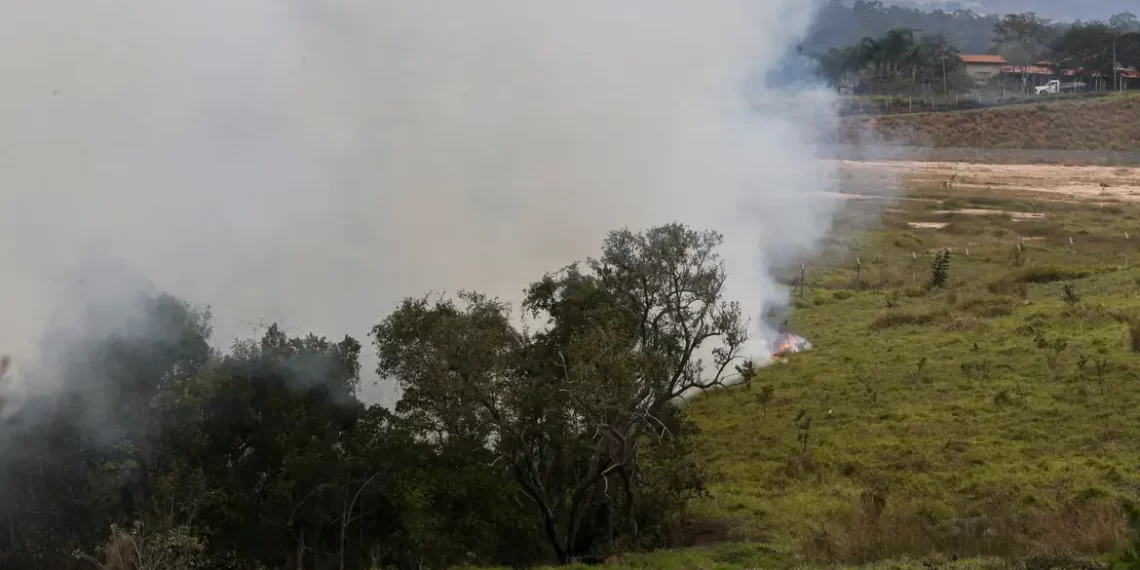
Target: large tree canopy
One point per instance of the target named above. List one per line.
(575, 410)
(512, 445)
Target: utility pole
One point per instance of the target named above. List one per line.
(1115, 69)
(945, 89)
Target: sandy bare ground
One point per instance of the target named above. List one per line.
(1103, 183)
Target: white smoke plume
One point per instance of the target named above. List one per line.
(311, 163)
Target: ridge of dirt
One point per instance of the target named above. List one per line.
(1109, 123)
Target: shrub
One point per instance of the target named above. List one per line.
(989, 307)
(1018, 257)
(178, 548)
(1049, 274)
(1008, 287)
(893, 300)
(1069, 295)
(960, 322)
(898, 318)
(914, 292)
(1129, 557)
(940, 269)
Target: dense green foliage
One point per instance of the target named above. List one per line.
(841, 24)
(1098, 47)
(509, 446)
(898, 61)
(915, 59)
(258, 456)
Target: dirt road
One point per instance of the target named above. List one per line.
(1100, 183)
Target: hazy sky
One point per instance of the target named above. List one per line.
(310, 163)
(1056, 9)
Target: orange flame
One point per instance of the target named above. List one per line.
(787, 343)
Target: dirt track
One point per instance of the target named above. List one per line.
(1101, 183)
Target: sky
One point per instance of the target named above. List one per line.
(312, 163)
(1055, 9)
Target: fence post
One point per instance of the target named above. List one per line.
(1070, 250)
(1126, 248)
(913, 263)
(858, 273)
(803, 280)
(967, 263)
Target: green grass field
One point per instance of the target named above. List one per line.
(992, 423)
(991, 417)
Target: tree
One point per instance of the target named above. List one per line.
(1125, 22)
(258, 456)
(78, 460)
(841, 24)
(937, 54)
(1089, 47)
(897, 50)
(570, 410)
(940, 269)
(841, 66)
(896, 56)
(1128, 50)
(1024, 37)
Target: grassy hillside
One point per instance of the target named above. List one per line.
(988, 422)
(991, 417)
(1106, 123)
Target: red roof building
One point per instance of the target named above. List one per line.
(981, 68)
(983, 59)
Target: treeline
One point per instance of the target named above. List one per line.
(909, 62)
(841, 24)
(509, 446)
(1097, 47)
(898, 62)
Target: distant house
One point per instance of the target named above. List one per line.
(1034, 75)
(1044, 71)
(982, 68)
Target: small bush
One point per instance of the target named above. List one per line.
(896, 318)
(960, 322)
(908, 241)
(178, 548)
(940, 269)
(1049, 274)
(1009, 287)
(1018, 257)
(1129, 557)
(893, 300)
(951, 298)
(989, 307)
(842, 295)
(1069, 295)
(1134, 334)
(1090, 314)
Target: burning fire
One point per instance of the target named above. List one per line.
(790, 343)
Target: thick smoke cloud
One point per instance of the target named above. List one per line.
(310, 163)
